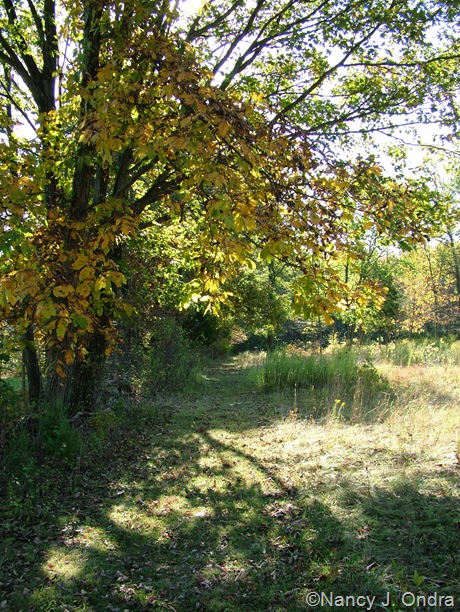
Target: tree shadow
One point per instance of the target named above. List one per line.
(422, 525)
(233, 547)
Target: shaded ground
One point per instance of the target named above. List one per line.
(223, 502)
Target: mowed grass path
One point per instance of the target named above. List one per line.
(236, 500)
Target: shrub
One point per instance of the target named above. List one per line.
(57, 437)
(173, 365)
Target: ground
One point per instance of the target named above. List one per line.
(232, 499)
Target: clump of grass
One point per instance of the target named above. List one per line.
(322, 383)
(283, 370)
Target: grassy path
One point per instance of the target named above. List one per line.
(225, 501)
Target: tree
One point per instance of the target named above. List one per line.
(436, 264)
(420, 278)
(373, 311)
(259, 300)
(231, 124)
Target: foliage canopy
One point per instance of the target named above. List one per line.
(237, 126)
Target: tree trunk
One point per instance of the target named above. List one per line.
(87, 377)
(77, 389)
(270, 341)
(32, 367)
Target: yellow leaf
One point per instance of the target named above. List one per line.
(15, 209)
(84, 289)
(69, 357)
(81, 261)
(61, 329)
(85, 273)
(105, 241)
(116, 277)
(126, 227)
(45, 310)
(99, 284)
(167, 90)
(223, 128)
(257, 97)
(63, 290)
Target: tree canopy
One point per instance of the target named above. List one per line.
(237, 127)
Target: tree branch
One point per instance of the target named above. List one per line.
(161, 187)
(286, 109)
(259, 44)
(193, 33)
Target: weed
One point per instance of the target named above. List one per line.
(57, 437)
(337, 410)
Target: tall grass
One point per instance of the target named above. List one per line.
(284, 369)
(338, 384)
(424, 351)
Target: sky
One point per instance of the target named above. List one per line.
(190, 7)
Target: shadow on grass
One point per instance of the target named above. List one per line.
(177, 519)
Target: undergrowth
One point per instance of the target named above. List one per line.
(423, 351)
(173, 364)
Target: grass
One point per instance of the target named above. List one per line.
(424, 351)
(338, 385)
(240, 498)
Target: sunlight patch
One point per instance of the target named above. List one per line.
(87, 537)
(150, 514)
(64, 564)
